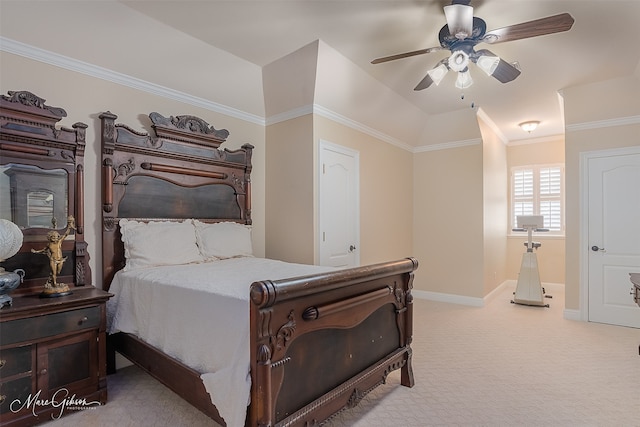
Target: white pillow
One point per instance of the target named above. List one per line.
(159, 243)
(223, 240)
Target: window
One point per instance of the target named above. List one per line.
(539, 190)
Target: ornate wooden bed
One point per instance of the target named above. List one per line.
(303, 330)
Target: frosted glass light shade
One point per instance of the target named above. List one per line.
(10, 239)
(438, 73)
(529, 126)
(464, 80)
(458, 60)
(459, 20)
(488, 63)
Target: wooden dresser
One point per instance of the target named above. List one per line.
(52, 356)
(52, 348)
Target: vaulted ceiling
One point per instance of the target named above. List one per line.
(602, 44)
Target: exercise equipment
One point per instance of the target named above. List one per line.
(529, 290)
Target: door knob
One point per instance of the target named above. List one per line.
(352, 248)
(597, 249)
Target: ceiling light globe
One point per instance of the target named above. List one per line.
(458, 60)
(529, 126)
(438, 73)
(488, 63)
(464, 80)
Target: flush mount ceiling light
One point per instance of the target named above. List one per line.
(529, 126)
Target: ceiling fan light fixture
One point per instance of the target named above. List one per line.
(529, 126)
(464, 80)
(458, 61)
(459, 20)
(438, 73)
(488, 63)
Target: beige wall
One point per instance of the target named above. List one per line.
(595, 120)
(551, 256)
(448, 220)
(290, 199)
(386, 192)
(84, 98)
(494, 195)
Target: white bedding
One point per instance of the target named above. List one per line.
(199, 314)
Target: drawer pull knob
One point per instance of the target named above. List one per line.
(2, 398)
(84, 319)
(2, 362)
(43, 372)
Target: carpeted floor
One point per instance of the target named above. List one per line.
(499, 365)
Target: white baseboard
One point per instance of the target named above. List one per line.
(571, 314)
(481, 302)
(450, 298)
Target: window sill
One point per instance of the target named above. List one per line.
(544, 235)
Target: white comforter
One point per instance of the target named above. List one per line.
(199, 314)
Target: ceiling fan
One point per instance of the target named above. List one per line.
(464, 31)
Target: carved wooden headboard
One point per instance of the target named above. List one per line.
(178, 173)
(41, 183)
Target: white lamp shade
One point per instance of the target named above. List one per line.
(488, 63)
(459, 20)
(464, 80)
(10, 239)
(438, 73)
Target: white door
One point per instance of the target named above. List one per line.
(339, 206)
(613, 237)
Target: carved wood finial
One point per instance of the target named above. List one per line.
(29, 99)
(188, 129)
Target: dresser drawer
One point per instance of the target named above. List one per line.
(15, 360)
(19, 389)
(45, 326)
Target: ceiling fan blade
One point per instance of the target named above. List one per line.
(406, 55)
(539, 27)
(424, 83)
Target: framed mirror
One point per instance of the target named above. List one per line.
(38, 197)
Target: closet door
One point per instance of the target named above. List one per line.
(613, 230)
(339, 206)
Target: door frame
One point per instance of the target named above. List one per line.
(322, 144)
(584, 218)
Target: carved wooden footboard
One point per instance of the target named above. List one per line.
(320, 343)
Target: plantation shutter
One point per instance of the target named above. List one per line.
(538, 191)
(523, 193)
(551, 197)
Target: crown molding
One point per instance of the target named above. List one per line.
(538, 140)
(448, 145)
(325, 112)
(41, 55)
(598, 124)
(288, 115)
